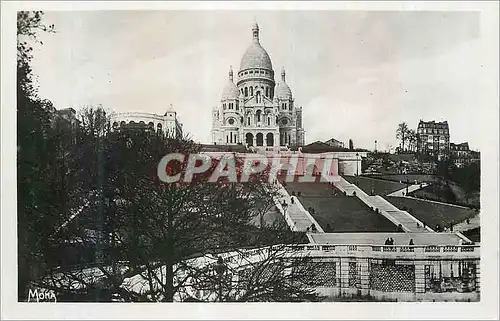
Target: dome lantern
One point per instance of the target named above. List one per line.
(231, 73)
(283, 91)
(255, 32)
(230, 90)
(255, 56)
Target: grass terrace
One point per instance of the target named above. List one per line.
(474, 235)
(432, 213)
(448, 192)
(379, 186)
(343, 213)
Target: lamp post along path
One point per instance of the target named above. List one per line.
(220, 269)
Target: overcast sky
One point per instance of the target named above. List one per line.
(357, 74)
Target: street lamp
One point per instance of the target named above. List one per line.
(357, 164)
(220, 268)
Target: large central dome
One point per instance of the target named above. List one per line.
(256, 56)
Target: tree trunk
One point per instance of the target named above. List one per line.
(169, 295)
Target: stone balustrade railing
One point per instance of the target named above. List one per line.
(375, 251)
(422, 251)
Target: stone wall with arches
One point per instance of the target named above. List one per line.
(167, 124)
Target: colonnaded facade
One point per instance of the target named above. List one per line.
(256, 111)
(167, 124)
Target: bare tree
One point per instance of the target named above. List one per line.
(93, 213)
(412, 140)
(277, 273)
(402, 133)
(136, 225)
(271, 273)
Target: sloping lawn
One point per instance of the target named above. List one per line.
(343, 213)
(432, 213)
(379, 186)
(447, 193)
(474, 235)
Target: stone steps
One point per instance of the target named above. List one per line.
(391, 212)
(295, 215)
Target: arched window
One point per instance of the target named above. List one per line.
(267, 91)
(290, 107)
(251, 91)
(237, 104)
(246, 92)
(224, 106)
(248, 121)
(258, 115)
(268, 121)
(257, 97)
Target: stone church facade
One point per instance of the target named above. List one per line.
(257, 111)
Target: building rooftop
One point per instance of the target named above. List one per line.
(223, 148)
(320, 147)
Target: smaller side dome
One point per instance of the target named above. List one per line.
(282, 90)
(230, 90)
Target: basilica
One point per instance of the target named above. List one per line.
(257, 111)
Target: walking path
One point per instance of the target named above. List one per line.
(408, 222)
(411, 188)
(380, 238)
(463, 226)
(431, 201)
